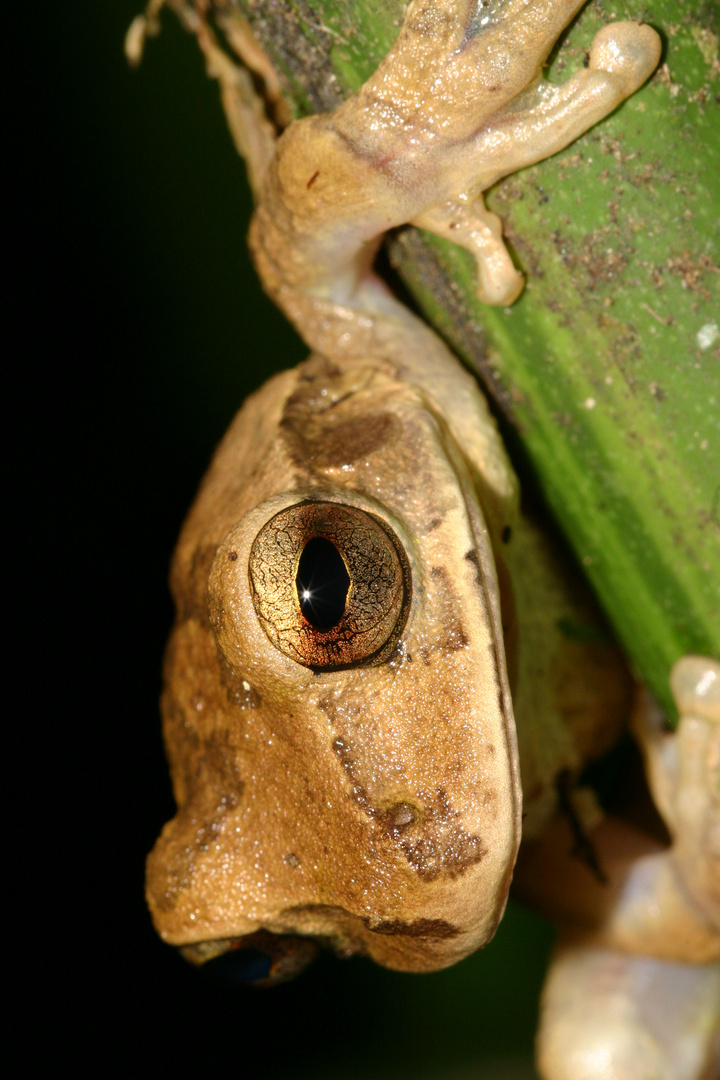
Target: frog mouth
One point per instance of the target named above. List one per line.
(261, 959)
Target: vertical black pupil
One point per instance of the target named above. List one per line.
(322, 583)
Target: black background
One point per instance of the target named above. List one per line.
(137, 328)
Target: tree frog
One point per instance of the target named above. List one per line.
(371, 691)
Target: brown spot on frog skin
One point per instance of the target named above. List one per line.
(191, 599)
(472, 557)
(454, 636)
(330, 442)
(428, 834)
(424, 929)
(427, 929)
(440, 847)
(326, 423)
(219, 765)
(358, 793)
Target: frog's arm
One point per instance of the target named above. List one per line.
(658, 900)
(334, 184)
(635, 983)
(393, 153)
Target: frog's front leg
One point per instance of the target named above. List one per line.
(638, 994)
(458, 103)
(542, 122)
(669, 905)
(684, 775)
(609, 1015)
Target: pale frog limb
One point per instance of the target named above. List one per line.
(457, 104)
(634, 988)
(607, 1014)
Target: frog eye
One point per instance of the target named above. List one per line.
(331, 585)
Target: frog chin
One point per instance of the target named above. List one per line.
(266, 958)
(289, 940)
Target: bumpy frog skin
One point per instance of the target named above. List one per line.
(355, 777)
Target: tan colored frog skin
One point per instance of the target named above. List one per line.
(358, 781)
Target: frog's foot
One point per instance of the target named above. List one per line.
(665, 903)
(458, 103)
(477, 229)
(683, 769)
(607, 1015)
(515, 129)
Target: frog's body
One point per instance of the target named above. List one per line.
(358, 779)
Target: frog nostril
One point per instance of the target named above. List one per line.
(400, 816)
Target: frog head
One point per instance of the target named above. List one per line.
(337, 715)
